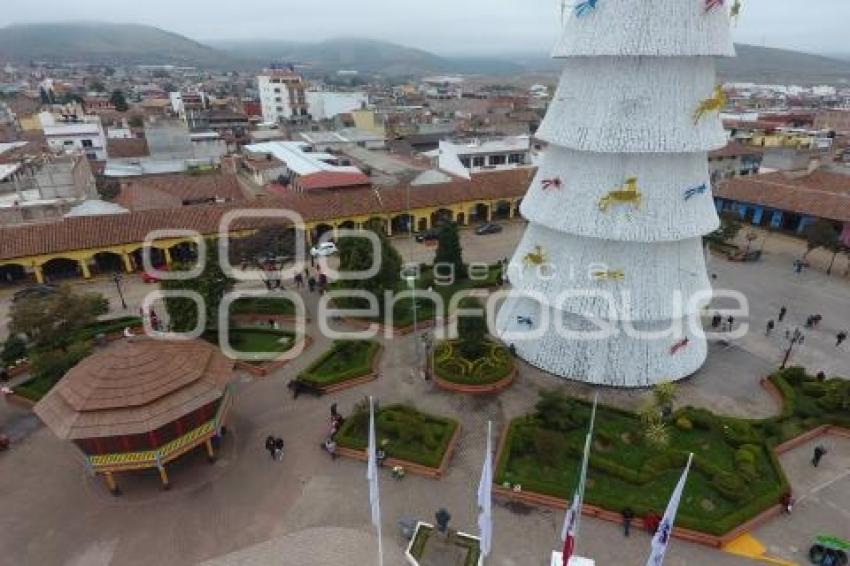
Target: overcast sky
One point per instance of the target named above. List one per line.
(442, 26)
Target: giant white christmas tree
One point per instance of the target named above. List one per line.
(622, 198)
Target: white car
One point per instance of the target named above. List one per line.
(324, 249)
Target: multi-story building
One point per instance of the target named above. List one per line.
(464, 157)
(282, 96)
(734, 160)
(76, 136)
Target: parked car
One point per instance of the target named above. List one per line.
(36, 291)
(324, 249)
(151, 278)
(488, 228)
(428, 235)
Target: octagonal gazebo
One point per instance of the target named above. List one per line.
(141, 403)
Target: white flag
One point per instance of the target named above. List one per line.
(485, 498)
(661, 540)
(372, 476)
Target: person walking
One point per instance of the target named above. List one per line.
(782, 312)
(731, 322)
(299, 280)
(278, 449)
(311, 283)
(840, 338)
(628, 515)
(270, 446)
(820, 452)
(716, 320)
(770, 326)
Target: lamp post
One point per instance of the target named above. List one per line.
(117, 277)
(793, 338)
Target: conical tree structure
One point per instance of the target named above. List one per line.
(619, 205)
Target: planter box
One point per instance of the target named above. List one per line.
(372, 375)
(496, 387)
(412, 561)
(410, 467)
(265, 368)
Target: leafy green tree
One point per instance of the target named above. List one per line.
(108, 188)
(51, 365)
(136, 121)
(356, 254)
(119, 101)
(472, 330)
(821, 234)
(730, 225)
(53, 322)
(212, 284)
(664, 394)
(14, 349)
(449, 251)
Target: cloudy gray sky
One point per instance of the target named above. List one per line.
(443, 26)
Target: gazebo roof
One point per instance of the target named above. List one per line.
(135, 386)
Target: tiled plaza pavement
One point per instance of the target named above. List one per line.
(276, 513)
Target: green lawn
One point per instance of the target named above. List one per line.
(346, 360)
(108, 327)
(256, 340)
(451, 366)
(263, 305)
(403, 431)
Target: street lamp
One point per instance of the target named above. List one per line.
(793, 338)
(117, 277)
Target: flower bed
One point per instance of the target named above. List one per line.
(345, 362)
(496, 366)
(735, 477)
(468, 544)
(403, 432)
(256, 340)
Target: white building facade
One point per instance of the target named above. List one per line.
(609, 279)
(282, 96)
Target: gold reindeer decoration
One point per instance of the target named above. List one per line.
(609, 275)
(627, 194)
(535, 257)
(715, 103)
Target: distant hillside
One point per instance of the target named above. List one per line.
(780, 66)
(753, 64)
(103, 43)
(363, 55)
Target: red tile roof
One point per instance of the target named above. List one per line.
(734, 149)
(123, 148)
(170, 191)
(332, 180)
(822, 193)
(102, 231)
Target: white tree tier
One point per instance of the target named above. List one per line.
(674, 200)
(633, 105)
(623, 360)
(627, 27)
(581, 275)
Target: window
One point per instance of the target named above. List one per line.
(279, 109)
(277, 91)
(516, 158)
(91, 156)
(67, 143)
(465, 162)
(278, 99)
(498, 160)
(478, 161)
(87, 143)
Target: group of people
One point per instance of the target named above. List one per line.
(318, 282)
(274, 446)
(725, 325)
(329, 445)
(812, 321)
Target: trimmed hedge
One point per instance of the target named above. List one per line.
(346, 360)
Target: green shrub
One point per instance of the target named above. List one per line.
(794, 375)
(14, 349)
(549, 446)
(684, 423)
(813, 388)
(731, 486)
(739, 432)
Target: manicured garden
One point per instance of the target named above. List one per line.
(402, 432)
(255, 340)
(735, 473)
(425, 534)
(493, 364)
(345, 361)
(263, 305)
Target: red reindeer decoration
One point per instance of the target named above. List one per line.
(711, 5)
(679, 345)
(554, 183)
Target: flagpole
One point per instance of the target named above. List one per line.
(485, 498)
(661, 539)
(372, 476)
(584, 464)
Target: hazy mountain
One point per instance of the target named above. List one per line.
(104, 43)
(364, 55)
(764, 65)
